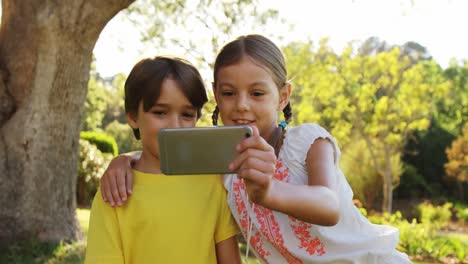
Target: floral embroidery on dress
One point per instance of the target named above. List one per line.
(281, 172)
(301, 230)
(269, 227)
(255, 240)
(271, 231)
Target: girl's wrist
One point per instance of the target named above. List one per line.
(272, 199)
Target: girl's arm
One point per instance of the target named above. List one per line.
(227, 251)
(117, 181)
(315, 203)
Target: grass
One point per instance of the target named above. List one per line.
(461, 237)
(83, 219)
(32, 252)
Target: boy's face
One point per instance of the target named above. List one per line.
(171, 110)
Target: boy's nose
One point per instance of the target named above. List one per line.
(175, 122)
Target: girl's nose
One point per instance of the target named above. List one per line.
(242, 104)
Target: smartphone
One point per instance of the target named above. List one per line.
(199, 150)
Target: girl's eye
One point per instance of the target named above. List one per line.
(189, 115)
(258, 93)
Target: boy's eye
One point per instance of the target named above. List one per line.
(156, 112)
(227, 93)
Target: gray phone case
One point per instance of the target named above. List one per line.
(199, 150)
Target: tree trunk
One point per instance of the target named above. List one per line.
(45, 54)
(387, 184)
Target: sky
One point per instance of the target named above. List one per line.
(439, 25)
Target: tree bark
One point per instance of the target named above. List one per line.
(387, 183)
(45, 54)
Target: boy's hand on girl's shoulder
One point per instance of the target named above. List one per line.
(117, 181)
(256, 164)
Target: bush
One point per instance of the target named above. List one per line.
(123, 134)
(92, 165)
(421, 240)
(102, 141)
(461, 212)
(439, 215)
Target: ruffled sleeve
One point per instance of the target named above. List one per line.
(299, 139)
(296, 145)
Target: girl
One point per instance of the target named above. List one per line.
(153, 228)
(288, 196)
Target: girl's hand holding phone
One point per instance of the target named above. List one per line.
(256, 165)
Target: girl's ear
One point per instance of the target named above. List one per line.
(284, 95)
(132, 120)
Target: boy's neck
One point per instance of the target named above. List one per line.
(148, 163)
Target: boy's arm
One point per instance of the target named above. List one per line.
(227, 251)
(117, 181)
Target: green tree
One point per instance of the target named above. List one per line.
(457, 165)
(382, 98)
(452, 110)
(425, 151)
(212, 23)
(115, 110)
(95, 104)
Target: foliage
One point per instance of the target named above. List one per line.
(95, 104)
(104, 101)
(212, 22)
(92, 164)
(452, 111)
(115, 101)
(32, 251)
(382, 98)
(438, 215)
(123, 136)
(103, 142)
(424, 156)
(356, 164)
(425, 151)
(421, 240)
(461, 212)
(457, 154)
(207, 111)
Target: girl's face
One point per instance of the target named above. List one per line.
(171, 110)
(246, 94)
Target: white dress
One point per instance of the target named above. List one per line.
(279, 238)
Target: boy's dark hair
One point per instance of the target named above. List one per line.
(262, 50)
(145, 80)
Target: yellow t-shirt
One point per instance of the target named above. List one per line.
(167, 219)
